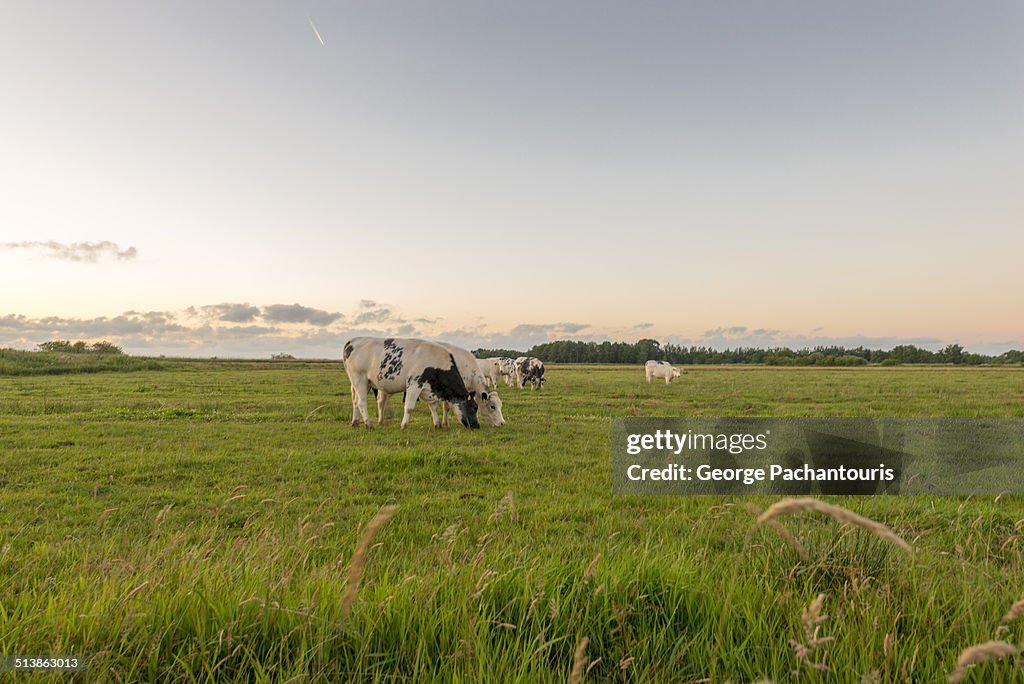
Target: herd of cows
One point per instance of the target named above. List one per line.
(442, 374)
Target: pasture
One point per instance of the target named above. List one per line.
(198, 523)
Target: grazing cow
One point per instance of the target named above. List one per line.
(489, 404)
(490, 369)
(661, 369)
(507, 369)
(395, 365)
(529, 369)
(476, 381)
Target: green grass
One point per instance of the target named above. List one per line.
(18, 362)
(196, 524)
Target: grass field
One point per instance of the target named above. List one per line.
(198, 523)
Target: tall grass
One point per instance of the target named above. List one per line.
(206, 525)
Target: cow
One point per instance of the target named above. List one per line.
(507, 369)
(394, 365)
(661, 369)
(476, 381)
(489, 404)
(529, 369)
(490, 369)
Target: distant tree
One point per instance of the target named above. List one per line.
(647, 350)
(488, 353)
(577, 351)
(952, 353)
(105, 348)
(55, 346)
(79, 347)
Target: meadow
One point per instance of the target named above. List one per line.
(199, 522)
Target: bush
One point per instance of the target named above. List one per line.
(80, 347)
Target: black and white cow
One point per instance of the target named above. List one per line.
(507, 369)
(488, 401)
(476, 381)
(660, 369)
(529, 369)
(395, 365)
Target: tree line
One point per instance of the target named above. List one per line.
(79, 347)
(572, 351)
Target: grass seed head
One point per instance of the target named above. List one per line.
(358, 564)
(579, 661)
(980, 653)
(1016, 610)
(837, 513)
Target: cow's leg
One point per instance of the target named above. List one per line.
(445, 409)
(668, 379)
(412, 395)
(359, 392)
(648, 377)
(382, 406)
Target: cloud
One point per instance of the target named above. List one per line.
(244, 330)
(643, 326)
(296, 313)
(520, 337)
(546, 328)
(77, 251)
(740, 336)
(232, 313)
(733, 331)
(372, 316)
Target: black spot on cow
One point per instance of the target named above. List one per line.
(447, 385)
(348, 349)
(391, 364)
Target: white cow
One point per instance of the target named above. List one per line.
(661, 369)
(489, 403)
(395, 365)
(490, 369)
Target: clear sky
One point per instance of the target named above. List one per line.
(241, 178)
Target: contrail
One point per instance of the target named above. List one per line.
(313, 26)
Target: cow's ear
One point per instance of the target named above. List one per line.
(470, 395)
(483, 395)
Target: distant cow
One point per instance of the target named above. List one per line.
(490, 369)
(507, 369)
(529, 369)
(661, 369)
(395, 365)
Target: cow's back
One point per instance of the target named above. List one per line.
(389, 363)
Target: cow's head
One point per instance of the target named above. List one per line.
(490, 408)
(465, 408)
(675, 372)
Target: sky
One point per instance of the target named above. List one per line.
(241, 179)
